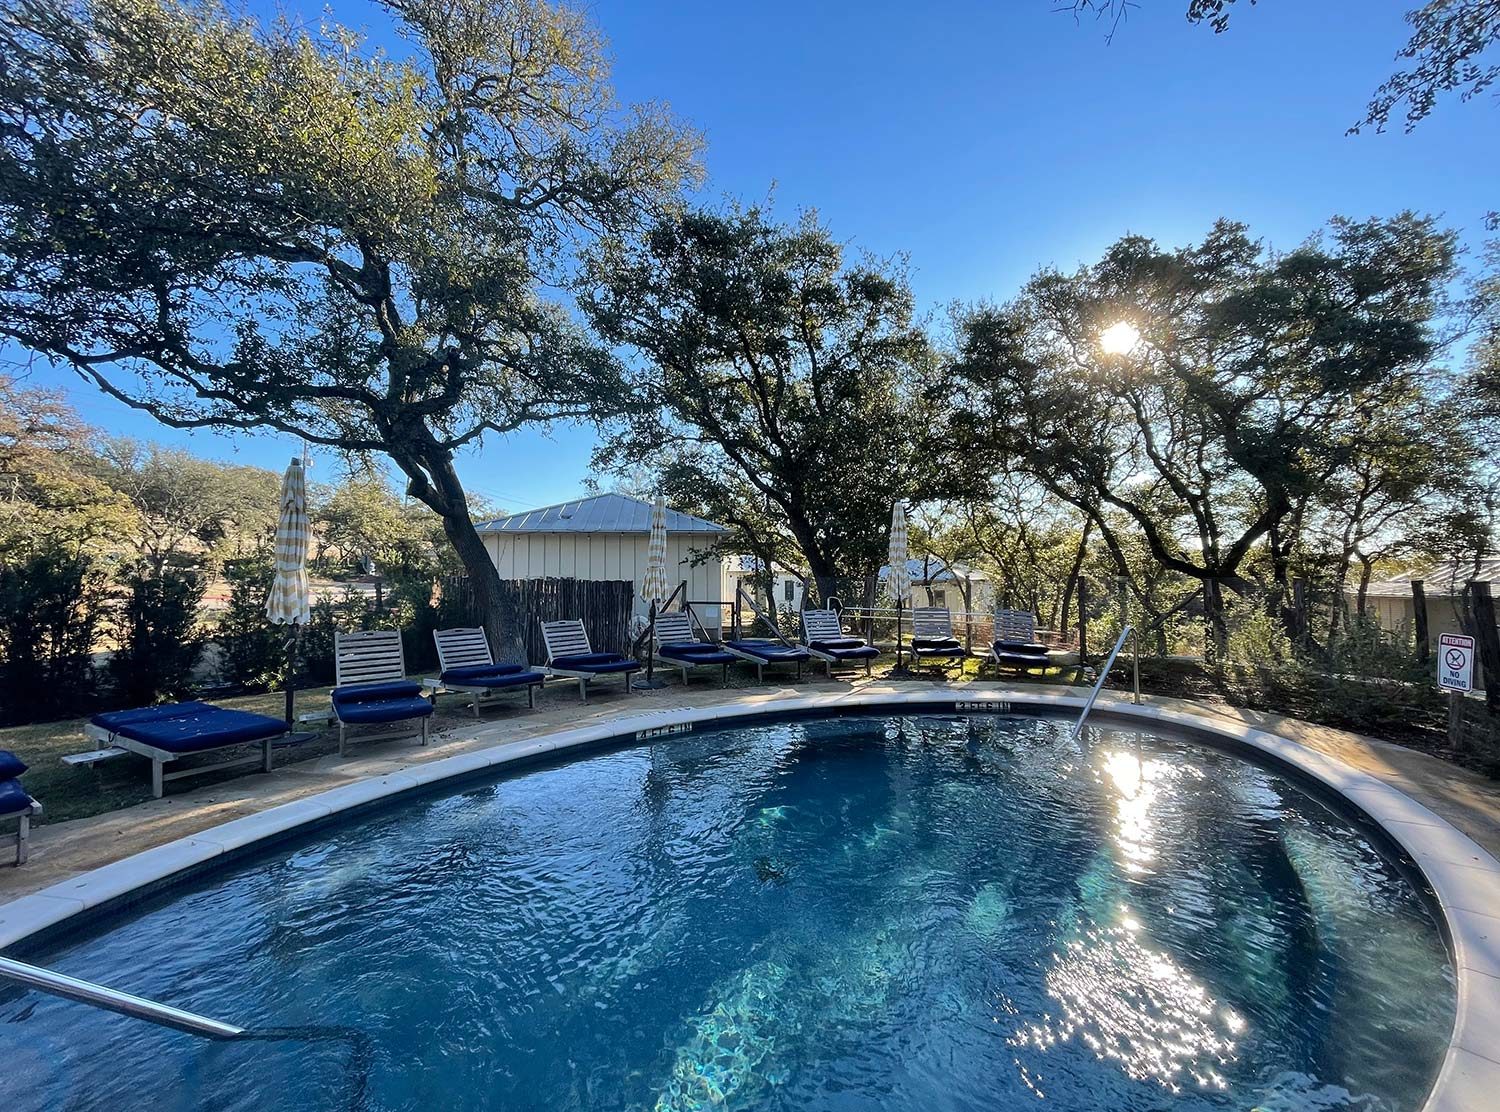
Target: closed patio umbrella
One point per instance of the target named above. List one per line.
(654, 582)
(288, 603)
(900, 575)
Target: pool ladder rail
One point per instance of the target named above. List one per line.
(1127, 631)
(163, 1015)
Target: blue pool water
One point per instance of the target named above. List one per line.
(835, 914)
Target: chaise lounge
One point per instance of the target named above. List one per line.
(172, 731)
(15, 803)
(676, 647)
(370, 671)
(569, 654)
(932, 637)
(467, 667)
(826, 640)
(1015, 644)
(763, 653)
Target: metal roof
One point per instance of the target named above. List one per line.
(603, 513)
(1442, 579)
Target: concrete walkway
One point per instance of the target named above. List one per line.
(1469, 801)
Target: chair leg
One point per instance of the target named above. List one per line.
(265, 763)
(531, 695)
(476, 706)
(583, 689)
(724, 682)
(342, 731)
(156, 781)
(23, 838)
(425, 721)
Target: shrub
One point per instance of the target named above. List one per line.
(51, 605)
(252, 653)
(330, 616)
(159, 641)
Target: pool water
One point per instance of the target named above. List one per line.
(852, 913)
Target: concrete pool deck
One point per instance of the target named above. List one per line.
(1446, 817)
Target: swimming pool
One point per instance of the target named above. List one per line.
(927, 911)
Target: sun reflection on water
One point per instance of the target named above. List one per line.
(1135, 1007)
(1140, 786)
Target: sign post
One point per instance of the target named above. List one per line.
(1456, 676)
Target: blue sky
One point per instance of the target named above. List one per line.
(988, 138)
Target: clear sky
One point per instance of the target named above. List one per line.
(987, 138)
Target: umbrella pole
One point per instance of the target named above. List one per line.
(900, 667)
(291, 671)
(650, 653)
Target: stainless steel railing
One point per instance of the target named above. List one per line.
(164, 1015)
(1104, 675)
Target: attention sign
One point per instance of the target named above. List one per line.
(1456, 662)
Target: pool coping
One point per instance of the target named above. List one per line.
(1463, 877)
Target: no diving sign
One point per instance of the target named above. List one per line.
(1455, 662)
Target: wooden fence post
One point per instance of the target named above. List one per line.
(1487, 635)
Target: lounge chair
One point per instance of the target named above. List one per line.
(15, 803)
(676, 647)
(932, 637)
(762, 653)
(466, 666)
(1015, 644)
(171, 731)
(826, 640)
(569, 654)
(370, 671)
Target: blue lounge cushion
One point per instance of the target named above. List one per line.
(937, 646)
(11, 765)
(840, 643)
(395, 709)
(697, 654)
(858, 651)
(376, 692)
(770, 650)
(189, 727)
(601, 663)
(13, 798)
(491, 675)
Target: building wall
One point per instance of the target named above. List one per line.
(1442, 617)
(601, 556)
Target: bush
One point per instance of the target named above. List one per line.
(252, 652)
(330, 616)
(51, 604)
(159, 641)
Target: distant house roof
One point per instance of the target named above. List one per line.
(1437, 580)
(933, 570)
(603, 513)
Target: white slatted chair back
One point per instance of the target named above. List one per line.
(674, 627)
(931, 621)
(462, 648)
(565, 638)
(1015, 625)
(821, 625)
(370, 656)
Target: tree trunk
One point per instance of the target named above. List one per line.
(1072, 584)
(1216, 632)
(1487, 635)
(1420, 630)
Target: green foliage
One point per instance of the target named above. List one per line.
(52, 603)
(159, 639)
(786, 392)
(244, 225)
(252, 656)
(362, 520)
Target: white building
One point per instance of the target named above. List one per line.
(604, 538)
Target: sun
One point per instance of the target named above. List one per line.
(1119, 338)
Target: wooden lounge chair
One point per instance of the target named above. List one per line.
(569, 654)
(932, 637)
(466, 666)
(172, 731)
(677, 647)
(15, 803)
(763, 653)
(370, 671)
(1015, 644)
(826, 640)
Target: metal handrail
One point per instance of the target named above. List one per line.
(86, 992)
(1099, 683)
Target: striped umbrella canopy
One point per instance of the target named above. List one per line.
(654, 585)
(288, 601)
(900, 581)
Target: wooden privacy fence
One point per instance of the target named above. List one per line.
(604, 605)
